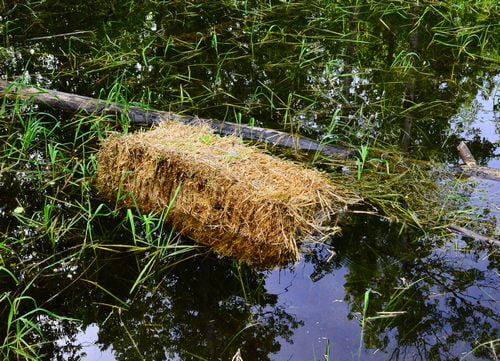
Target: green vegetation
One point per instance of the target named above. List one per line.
(48, 168)
(396, 80)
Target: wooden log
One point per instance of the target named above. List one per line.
(472, 169)
(75, 103)
(466, 155)
(474, 235)
(482, 172)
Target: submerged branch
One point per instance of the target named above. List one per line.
(139, 115)
(384, 195)
(472, 169)
(466, 155)
(472, 234)
(481, 172)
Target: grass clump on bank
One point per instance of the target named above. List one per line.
(230, 196)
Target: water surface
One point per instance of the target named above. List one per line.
(415, 76)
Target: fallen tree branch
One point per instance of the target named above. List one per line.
(472, 169)
(75, 103)
(466, 155)
(481, 172)
(472, 234)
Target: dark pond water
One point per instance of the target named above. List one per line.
(419, 76)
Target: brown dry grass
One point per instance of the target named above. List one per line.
(233, 197)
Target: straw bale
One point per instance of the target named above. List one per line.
(233, 197)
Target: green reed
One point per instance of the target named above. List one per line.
(292, 65)
(59, 213)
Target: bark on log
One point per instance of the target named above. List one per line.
(76, 103)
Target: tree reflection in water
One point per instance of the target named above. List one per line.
(445, 296)
(205, 308)
(209, 307)
(404, 73)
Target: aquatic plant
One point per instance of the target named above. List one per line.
(400, 76)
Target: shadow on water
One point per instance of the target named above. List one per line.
(420, 76)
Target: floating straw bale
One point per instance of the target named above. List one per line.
(233, 197)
